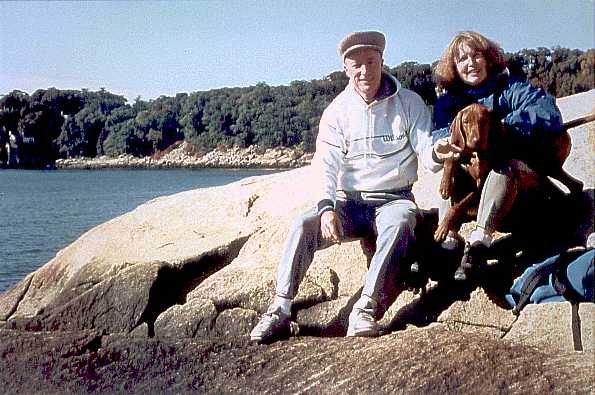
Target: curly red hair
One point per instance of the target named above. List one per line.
(445, 72)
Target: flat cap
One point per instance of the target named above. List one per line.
(357, 40)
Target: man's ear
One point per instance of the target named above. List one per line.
(346, 71)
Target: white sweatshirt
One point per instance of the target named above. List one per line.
(371, 147)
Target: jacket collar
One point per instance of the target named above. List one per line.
(489, 86)
(388, 87)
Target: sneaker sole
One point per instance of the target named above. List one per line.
(363, 333)
(460, 277)
(292, 329)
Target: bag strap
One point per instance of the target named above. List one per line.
(577, 340)
(531, 282)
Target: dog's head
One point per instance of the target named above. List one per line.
(471, 127)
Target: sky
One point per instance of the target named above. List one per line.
(154, 48)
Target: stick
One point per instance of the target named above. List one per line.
(579, 121)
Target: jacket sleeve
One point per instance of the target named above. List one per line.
(330, 148)
(528, 108)
(444, 112)
(420, 126)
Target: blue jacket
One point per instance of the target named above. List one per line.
(528, 114)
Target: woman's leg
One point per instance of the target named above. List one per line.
(502, 190)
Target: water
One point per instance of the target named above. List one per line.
(44, 211)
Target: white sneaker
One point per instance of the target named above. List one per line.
(480, 235)
(451, 243)
(361, 323)
(271, 324)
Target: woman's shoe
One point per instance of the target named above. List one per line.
(474, 256)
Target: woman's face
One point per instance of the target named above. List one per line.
(472, 66)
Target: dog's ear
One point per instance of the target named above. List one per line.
(457, 134)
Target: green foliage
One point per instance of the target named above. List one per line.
(560, 71)
(118, 124)
(36, 122)
(418, 78)
(56, 123)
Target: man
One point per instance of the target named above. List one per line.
(365, 163)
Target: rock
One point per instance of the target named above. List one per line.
(397, 316)
(426, 360)
(187, 320)
(12, 298)
(249, 282)
(235, 323)
(182, 155)
(478, 313)
(328, 317)
(141, 331)
(115, 304)
(551, 325)
(575, 106)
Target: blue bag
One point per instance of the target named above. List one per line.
(564, 277)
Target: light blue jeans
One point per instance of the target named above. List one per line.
(391, 221)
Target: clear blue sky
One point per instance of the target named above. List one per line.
(153, 48)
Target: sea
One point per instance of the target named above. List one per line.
(43, 211)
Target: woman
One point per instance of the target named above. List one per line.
(473, 70)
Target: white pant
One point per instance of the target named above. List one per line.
(392, 222)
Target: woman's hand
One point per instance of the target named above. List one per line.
(444, 150)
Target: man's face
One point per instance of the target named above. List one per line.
(364, 69)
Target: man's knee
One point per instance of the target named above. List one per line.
(515, 174)
(402, 220)
(501, 180)
(404, 214)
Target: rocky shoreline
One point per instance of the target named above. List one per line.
(181, 155)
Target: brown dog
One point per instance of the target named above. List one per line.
(463, 177)
(474, 130)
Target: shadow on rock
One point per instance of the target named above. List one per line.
(563, 221)
(173, 284)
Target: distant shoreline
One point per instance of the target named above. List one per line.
(179, 157)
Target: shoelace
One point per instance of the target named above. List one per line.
(268, 318)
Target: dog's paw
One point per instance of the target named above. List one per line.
(445, 188)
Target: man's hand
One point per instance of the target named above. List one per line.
(444, 150)
(331, 227)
